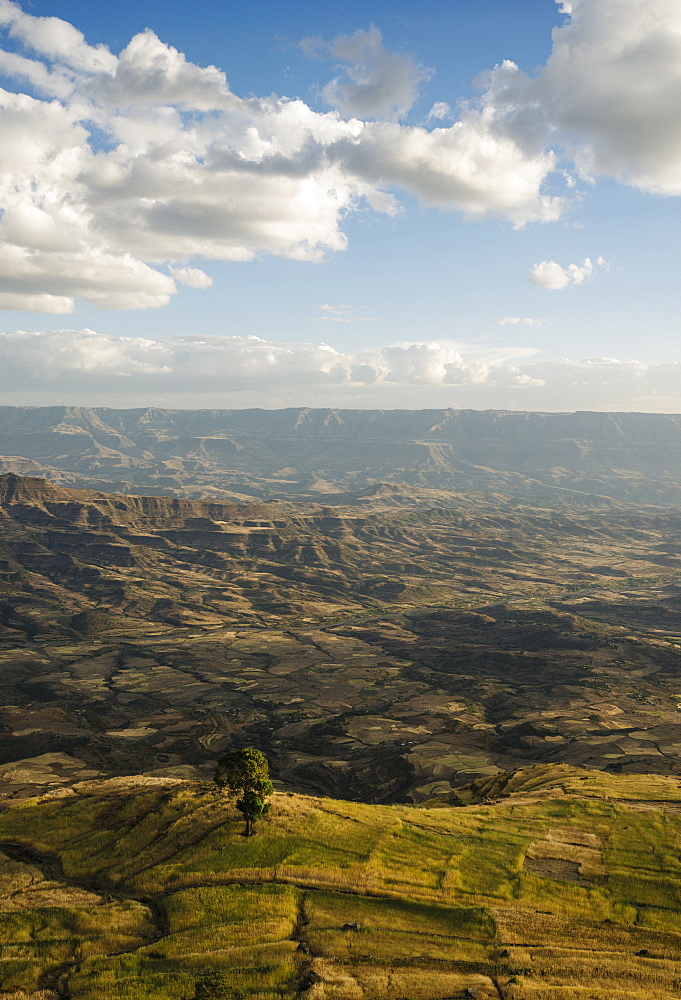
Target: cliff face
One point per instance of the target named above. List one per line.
(307, 452)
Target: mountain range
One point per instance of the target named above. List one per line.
(306, 453)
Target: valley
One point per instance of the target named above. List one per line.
(465, 679)
(380, 650)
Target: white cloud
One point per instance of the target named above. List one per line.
(549, 274)
(116, 166)
(525, 381)
(334, 314)
(614, 80)
(150, 72)
(56, 39)
(375, 83)
(69, 354)
(141, 159)
(92, 223)
(439, 111)
(193, 277)
(36, 303)
(473, 166)
(524, 320)
(88, 368)
(76, 354)
(610, 92)
(36, 74)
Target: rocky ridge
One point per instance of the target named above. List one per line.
(307, 452)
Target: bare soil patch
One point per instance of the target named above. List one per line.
(555, 868)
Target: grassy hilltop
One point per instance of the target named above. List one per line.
(565, 884)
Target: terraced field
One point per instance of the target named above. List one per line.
(568, 885)
(439, 645)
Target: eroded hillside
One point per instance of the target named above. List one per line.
(302, 453)
(380, 649)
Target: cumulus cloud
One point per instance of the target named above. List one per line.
(609, 93)
(615, 83)
(550, 274)
(193, 277)
(113, 166)
(36, 302)
(374, 83)
(70, 354)
(86, 217)
(472, 166)
(73, 354)
(83, 366)
(57, 39)
(118, 172)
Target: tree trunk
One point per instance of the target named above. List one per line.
(249, 825)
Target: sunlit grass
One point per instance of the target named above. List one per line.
(441, 895)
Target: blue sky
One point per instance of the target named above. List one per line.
(427, 230)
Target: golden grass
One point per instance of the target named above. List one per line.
(441, 895)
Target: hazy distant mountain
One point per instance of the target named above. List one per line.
(310, 452)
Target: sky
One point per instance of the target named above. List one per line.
(465, 203)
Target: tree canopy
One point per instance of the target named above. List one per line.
(246, 773)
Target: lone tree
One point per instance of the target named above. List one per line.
(246, 773)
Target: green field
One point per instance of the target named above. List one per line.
(547, 888)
